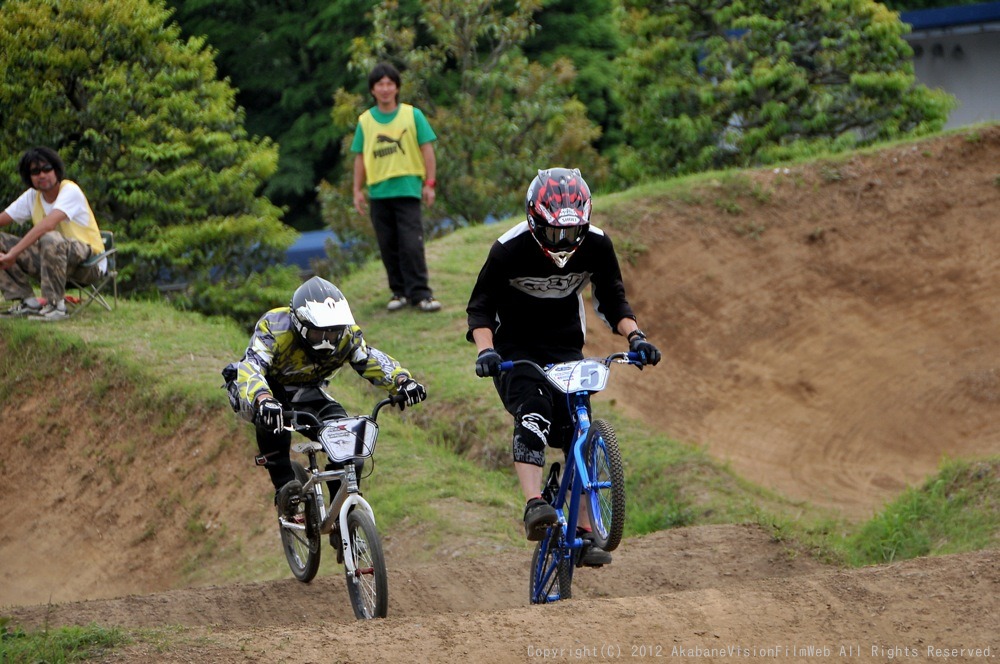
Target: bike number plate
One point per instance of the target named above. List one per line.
(580, 376)
(349, 438)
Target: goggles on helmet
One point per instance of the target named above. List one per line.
(324, 339)
(561, 238)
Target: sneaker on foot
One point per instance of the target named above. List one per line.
(50, 312)
(16, 310)
(429, 304)
(592, 556)
(22, 308)
(396, 303)
(539, 516)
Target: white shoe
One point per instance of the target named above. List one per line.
(51, 312)
(396, 303)
(429, 304)
(22, 308)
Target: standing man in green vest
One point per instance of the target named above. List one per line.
(394, 157)
(63, 235)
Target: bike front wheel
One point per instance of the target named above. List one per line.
(368, 585)
(606, 498)
(300, 538)
(551, 573)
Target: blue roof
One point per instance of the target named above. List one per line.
(311, 244)
(947, 17)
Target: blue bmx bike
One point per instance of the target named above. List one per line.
(593, 474)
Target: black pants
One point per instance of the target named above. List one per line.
(400, 234)
(537, 408)
(274, 447)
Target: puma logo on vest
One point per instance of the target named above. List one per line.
(397, 144)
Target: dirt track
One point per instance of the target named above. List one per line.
(697, 594)
(834, 343)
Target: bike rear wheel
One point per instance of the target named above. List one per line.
(368, 586)
(551, 574)
(606, 499)
(300, 539)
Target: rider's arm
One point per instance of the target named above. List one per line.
(483, 338)
(251, 370)
(609, 289)
(375, 366)
(481, 312)
(627, 326)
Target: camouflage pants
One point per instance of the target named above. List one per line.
(52, 259)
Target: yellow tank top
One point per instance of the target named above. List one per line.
(391, 149)
(89, 234)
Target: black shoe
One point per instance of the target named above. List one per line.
(592, 556)
(539, 516)
(288, 499)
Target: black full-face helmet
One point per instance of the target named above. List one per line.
(558, 208)
(320, 316)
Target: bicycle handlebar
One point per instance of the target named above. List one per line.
(623, 358)
(295, 417)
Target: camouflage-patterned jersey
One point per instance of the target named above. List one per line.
(276, 362)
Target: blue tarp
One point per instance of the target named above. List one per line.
(947, 17)
(311, 244)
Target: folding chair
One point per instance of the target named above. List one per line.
(94, 292)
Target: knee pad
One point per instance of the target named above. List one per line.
(532, 429)
(525, 454)
(533, 422)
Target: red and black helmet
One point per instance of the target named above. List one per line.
(558, 208)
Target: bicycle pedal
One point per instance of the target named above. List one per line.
(593, 557)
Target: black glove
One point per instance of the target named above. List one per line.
(648, 353)
(269, 415)
(413, 391)
(488, 363)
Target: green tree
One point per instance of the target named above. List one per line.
(153, 137)
(718, 83)
(498, 116)
(286, 59)
(587, 32)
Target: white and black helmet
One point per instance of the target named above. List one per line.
(320, 315)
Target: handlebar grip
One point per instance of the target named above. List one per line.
(506, 365)
(634, 357)
(299, 418)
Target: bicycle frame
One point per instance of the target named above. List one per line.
(577, 380)
(574, 480)
(348, 496)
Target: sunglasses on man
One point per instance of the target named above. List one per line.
(38, 170)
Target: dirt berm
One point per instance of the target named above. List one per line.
(831, 329)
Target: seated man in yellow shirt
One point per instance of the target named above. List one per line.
(64, 234)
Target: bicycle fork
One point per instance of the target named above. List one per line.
(348, 498)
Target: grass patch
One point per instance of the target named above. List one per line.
(65, 644)
(954, 511)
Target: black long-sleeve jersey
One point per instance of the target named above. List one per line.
(536, 309)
